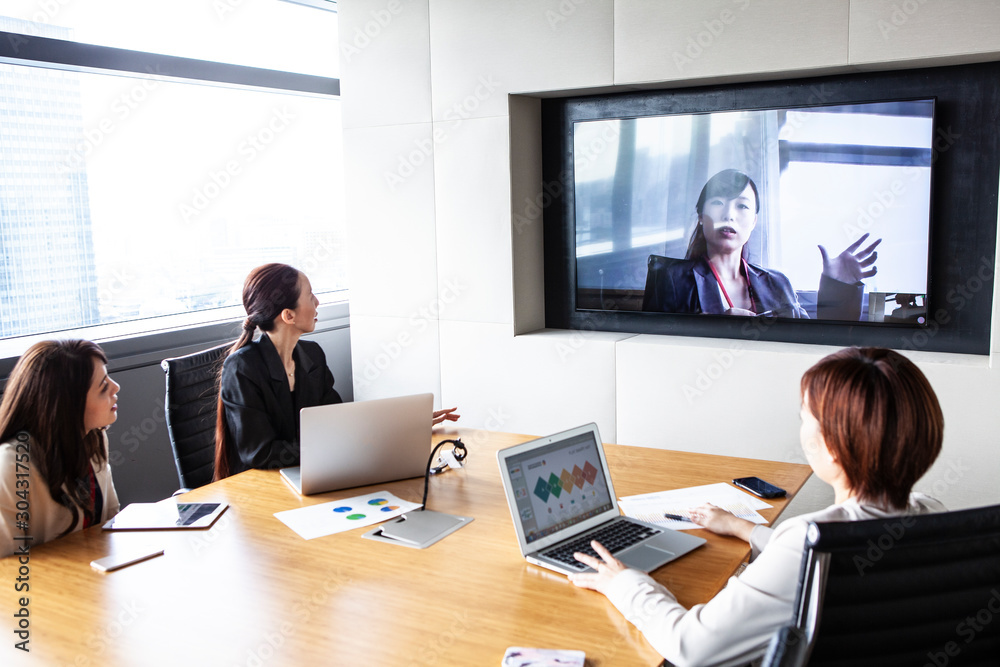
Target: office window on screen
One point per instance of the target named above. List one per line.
(141, 199)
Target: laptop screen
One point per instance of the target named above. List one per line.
(558, 485)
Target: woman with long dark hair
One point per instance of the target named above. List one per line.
(54, 471)
(265, 383)
(716, 278)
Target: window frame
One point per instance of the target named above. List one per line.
(133, 350)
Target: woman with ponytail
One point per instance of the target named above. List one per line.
(266, 383)
(54, 472)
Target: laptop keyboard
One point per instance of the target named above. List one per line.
(619, 535)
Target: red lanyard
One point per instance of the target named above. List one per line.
(715, 273)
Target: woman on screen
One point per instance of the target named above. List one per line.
(715, 277)
(265, 383)
(54, 471)
(871, 427)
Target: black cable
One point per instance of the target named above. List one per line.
(460, 454)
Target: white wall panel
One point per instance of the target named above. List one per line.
(484, 50)
(742, 399)
(385, 62)
(966, 472)
(728, 397)
(536, 384)
(395, 356)
(390, 219)
(677, 41)
(472, 195)
(892, 31)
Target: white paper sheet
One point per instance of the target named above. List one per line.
(346, 514)
(651, 507)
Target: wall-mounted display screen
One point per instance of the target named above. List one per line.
(851, 209)
(819, 212)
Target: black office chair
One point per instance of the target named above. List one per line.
(656, 266)
(191, 400)
(914, 590)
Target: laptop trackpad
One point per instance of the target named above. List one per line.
(646, 558)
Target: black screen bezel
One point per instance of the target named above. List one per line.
(963, 220)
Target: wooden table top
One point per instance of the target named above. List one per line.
(249, 591)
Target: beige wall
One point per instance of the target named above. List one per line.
(442, 162)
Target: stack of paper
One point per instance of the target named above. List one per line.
(651, 507)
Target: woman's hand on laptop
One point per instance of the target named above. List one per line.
(448, 414)
(605, 569)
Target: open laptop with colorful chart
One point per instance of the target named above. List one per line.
(560, 496)
(365, 442)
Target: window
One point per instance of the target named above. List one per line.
(138, 189)
(835, 161)
(272, 34)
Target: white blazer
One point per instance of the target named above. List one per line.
(736, 625)
(47, 519)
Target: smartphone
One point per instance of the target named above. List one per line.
(117, 561)
(759, 487)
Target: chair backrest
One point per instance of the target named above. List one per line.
(909, 590)
(191, 402)
(656, 266)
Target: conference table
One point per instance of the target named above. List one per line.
(250, 591)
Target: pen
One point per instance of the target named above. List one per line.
(678, 517)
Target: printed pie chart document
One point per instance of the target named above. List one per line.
(347, 514)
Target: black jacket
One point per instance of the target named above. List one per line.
(262, 415)
(688, 286)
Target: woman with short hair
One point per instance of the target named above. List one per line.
(871, 427)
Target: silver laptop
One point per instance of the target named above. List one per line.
(366, 442)
(560, 497)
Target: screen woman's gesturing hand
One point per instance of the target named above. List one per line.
(852, 265)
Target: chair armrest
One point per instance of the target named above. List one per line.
(788, 648)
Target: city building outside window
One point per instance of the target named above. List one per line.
(137, 197)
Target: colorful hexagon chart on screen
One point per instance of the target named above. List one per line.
(557, 484)
(542, 490)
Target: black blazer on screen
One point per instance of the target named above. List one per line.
(688, 286)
